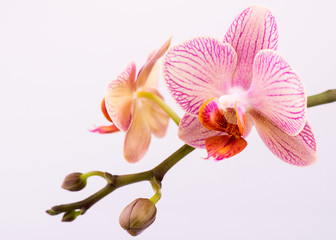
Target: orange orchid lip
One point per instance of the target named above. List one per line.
(220, 147)
(211, 117)
(240, 118)
(104, 110)
(105, 129)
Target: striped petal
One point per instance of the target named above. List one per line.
(193, 133)
(198, 70)
(138, 137)
(299, 150)
(143, 77)
(220, 147)
(152, 80)
(254, 29)
(119, 98)
(277, 92)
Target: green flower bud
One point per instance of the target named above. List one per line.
(70, 216)
(74, 182)
(137, 216)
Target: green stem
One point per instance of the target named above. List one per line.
(115, 181)
(156, 197)
(118, 181)
(94, 173)
(166, 165)
(162, 104)
(157, 189)
(322, 98)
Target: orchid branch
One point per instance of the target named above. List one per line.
(155, 175)
(117, 181)
(322, 98)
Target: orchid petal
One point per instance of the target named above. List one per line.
(105, 129)
(137, 137)
(153, 78)
(277, 92)
(192, 132)
(248, 126)
(254, 29)
(299, 150)
(157, 119)
(119, 97)
(220, 147)
(145, 72)
(198, 70)
(212, 117)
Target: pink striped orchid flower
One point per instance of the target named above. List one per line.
(131, 113)
(225, 88)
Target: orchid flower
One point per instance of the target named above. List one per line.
(127, 107)
(225, 88)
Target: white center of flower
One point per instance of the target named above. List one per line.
(228, 101)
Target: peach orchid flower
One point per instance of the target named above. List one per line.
(225, 88)
(132, 113)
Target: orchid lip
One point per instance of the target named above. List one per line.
(212, 117)
(241, 118)
(220, 147)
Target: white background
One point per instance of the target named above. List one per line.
(56, 58)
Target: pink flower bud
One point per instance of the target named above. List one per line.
(74, 182)
(137, 216)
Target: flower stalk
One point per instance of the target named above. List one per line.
(162, 104)
(156, 185)
(117, 181)
(322, 98)
(155, 175)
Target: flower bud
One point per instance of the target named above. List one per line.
(137, 216)
(74, 182)
(70, 216)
